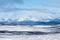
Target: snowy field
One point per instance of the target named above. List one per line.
(31, 37)
(30, 28)
(52, 36)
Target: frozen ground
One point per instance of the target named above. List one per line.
(31, 37)
(54, 36)
(30, 28)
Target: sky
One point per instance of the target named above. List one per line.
(30, 8)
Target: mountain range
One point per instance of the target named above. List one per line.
(29, 21)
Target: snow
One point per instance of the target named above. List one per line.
(31, 37)
(28, 18)
(30, 28)
(55, 36)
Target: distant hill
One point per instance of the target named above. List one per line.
(29, 22)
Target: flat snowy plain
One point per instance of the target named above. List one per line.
(54, 36)
(31, 37)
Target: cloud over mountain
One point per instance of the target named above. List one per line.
(16, 9)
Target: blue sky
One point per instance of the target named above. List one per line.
(25, 8)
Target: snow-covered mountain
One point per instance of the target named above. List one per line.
(28, 18)
(29, 21)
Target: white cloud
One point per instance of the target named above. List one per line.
(29, 13)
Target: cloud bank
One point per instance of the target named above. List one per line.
(42, 9)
